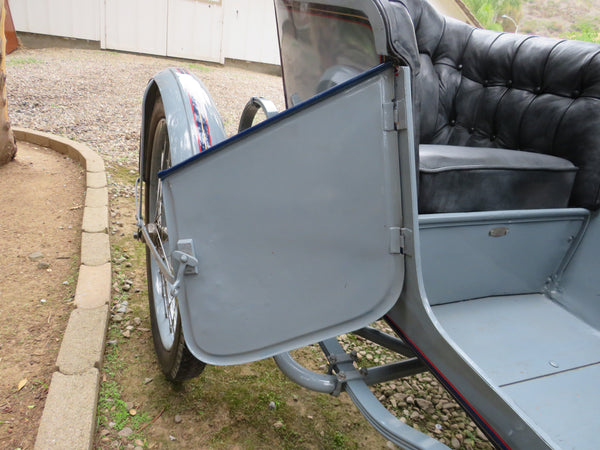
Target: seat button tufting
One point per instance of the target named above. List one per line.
(471, 130)
(452, 122)
(493, 137)
(485, 83)
(576, 93)
(509, 83)
(459, 67)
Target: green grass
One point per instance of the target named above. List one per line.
(489, 12)
(586, 31)
(199, 67)
(11, 62)
(112, 408)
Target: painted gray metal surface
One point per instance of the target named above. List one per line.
(327, 384)
(382, 420)
(180, 90)
(464, 257)
(579, 287)
(491, 408)
(292, 227)
(518, 337)
(565, 404)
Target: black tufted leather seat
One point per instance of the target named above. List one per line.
(480, 88)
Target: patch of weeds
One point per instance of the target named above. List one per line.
(124, 174)
(586, 31)
(339, 440)
(114, 410)
(12, 62)
(39, 384)
(199, 67)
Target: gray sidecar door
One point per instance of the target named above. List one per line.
(295, 224)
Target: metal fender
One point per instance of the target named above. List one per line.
(193, 121)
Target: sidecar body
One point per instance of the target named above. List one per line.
(441, 177)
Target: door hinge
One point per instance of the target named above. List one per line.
(394, 115)
(398, 240)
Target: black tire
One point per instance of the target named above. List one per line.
(174, 358)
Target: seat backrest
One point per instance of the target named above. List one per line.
(481, 88)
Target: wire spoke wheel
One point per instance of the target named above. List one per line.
(176, 361)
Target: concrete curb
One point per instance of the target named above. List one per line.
(69, 417)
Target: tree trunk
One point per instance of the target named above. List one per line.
(8, 147)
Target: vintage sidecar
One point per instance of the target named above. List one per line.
(442, 178)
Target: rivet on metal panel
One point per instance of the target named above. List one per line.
(553, 364)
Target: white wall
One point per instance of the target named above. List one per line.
(251, 31)
(208, 30)
(135, 26)
(68, 18)
(195, 30)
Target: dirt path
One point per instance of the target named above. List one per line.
(41, 198)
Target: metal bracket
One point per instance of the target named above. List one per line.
(188, 263)
(252, 107)
(138, 210)
(340, 358)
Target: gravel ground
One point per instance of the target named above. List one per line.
(95, 97)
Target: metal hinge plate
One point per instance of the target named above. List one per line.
(399, 238)
(394, 115)
(396, 241)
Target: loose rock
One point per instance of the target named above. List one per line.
(35, 256)
(125, 432)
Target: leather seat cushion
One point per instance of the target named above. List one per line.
(462, 179)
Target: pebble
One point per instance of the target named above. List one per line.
(178, 419)
(277, 425)
(272, 406)
(43, 265)
(148, 380)
(35, 256)
(424, 404)
(117, 318)
(125, 432)
(126, 333)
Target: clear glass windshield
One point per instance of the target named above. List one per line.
(321, 46)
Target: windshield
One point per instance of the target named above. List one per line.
(321, 46)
